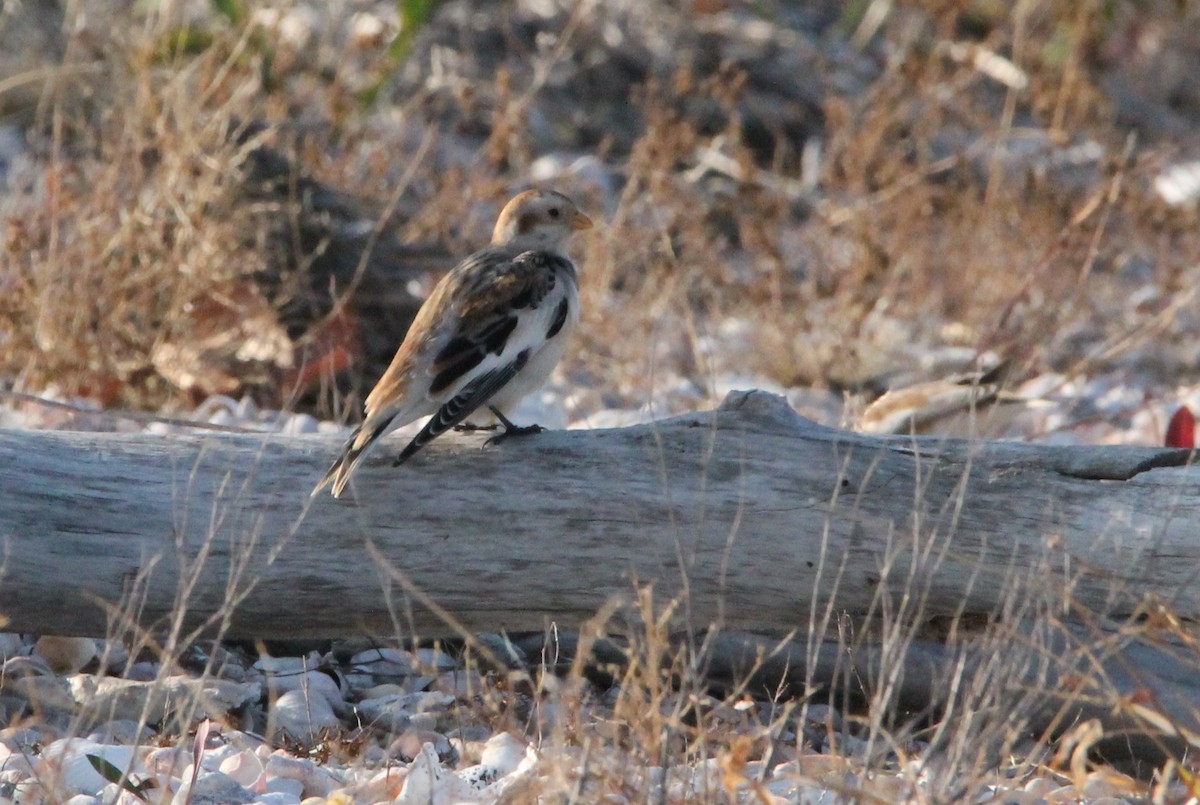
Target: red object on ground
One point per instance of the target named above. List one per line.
(332, 346)
(1181, 432)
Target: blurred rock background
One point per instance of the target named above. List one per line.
(828, 199)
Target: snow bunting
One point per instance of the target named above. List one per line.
(490, 333)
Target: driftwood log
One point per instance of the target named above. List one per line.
(758, 515)
(750, 516)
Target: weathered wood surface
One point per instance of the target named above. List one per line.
(758, 515)
(1038, 677)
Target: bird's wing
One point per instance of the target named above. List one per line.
(499, 308)
(480, 316)
(463, 404)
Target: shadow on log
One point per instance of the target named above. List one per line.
(752, 516)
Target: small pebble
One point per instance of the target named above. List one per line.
(303, 717)
(213, 788)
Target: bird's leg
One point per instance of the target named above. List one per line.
(468, 427)
(509, 428)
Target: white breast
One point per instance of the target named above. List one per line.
(546, 354)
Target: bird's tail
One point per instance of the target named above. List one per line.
(355, 450)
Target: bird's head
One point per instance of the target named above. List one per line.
(538, 219)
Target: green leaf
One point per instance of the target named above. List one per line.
(186, 41)
(105, 769)
(114, 775)
(149, 784)
(233, 10)
(413, 16)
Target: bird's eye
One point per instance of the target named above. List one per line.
(553, 212)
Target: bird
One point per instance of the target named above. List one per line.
(491, 332)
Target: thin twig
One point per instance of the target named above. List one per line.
(141, 417)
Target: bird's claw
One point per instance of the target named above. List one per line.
(509, 428)
(513, 430)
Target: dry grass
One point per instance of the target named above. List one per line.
(134, 265)
(126, 249)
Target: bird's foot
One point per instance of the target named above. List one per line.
(467, 427)
(526, 430)
(510, 429)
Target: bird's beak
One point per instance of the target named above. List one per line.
(580, 221)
